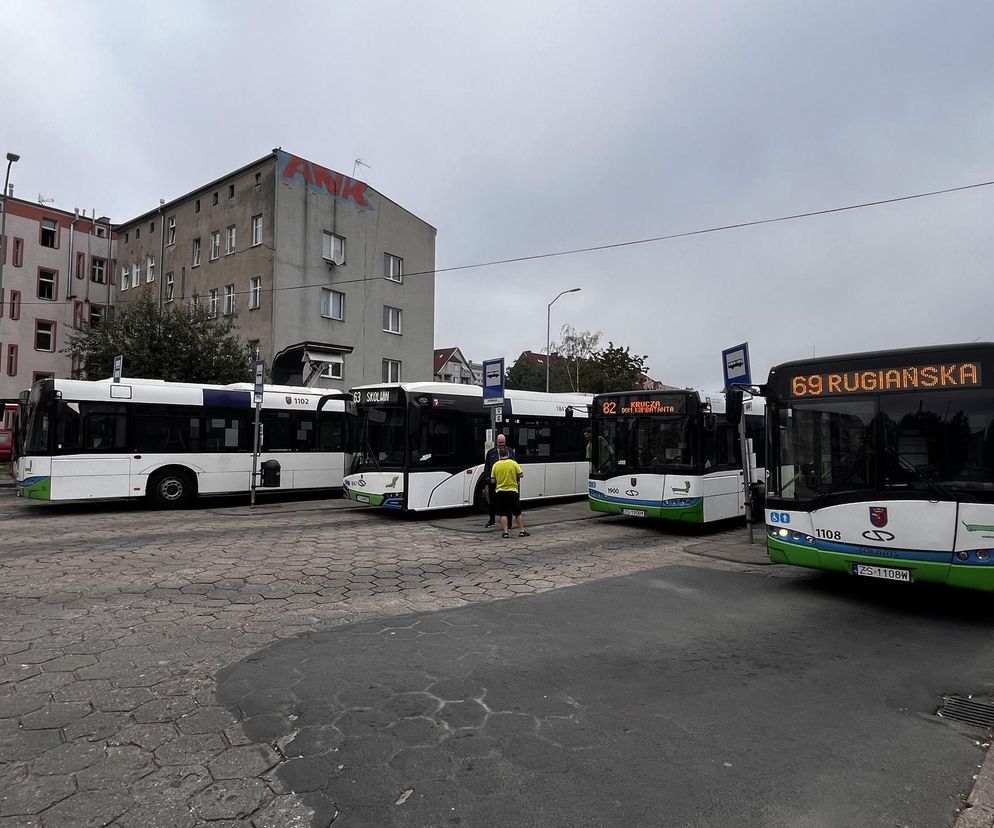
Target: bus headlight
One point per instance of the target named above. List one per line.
(983, 554)
(783, 533)
(963, 555)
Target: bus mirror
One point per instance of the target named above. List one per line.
(569, 415)
(733, 405)
(710, 422)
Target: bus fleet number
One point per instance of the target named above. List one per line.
(831, 534)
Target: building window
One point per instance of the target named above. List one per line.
(41, 375)
(256, 230)
(229, 241)
(150, 269)
(170, 285)
(258, 179)
(96, 315)
(49, 233)
(136, 280)
(333, 370)
(393, 268)
(196, 206)
(80, 265)
(196, 252)
(138, 232)
(44, 335)
(332, 304)
(214, 198)
(15, 304)
(125, 235)
(391, 370)
(171, 230)
(391, 319)
(11, 360)
(229, 300)
(254, 348)
(17, 257)
(255, 292)
(98, 270)
(212, 302)
(231, 191)
(215, 244)
(194, 302)
(333, 248)
(151, 227)
(48, 284)
(125, 277)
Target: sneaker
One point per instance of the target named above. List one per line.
(489, 523)
(524, 534)
(505, 534)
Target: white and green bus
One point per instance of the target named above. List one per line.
(172, 441)
(420, 446)
(672, 455)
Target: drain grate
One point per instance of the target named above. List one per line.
(970, 711)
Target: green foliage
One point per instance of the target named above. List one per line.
(526, 375)
(615, 369)
(173, 342)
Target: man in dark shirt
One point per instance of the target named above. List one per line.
(488, 466)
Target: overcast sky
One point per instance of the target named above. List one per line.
(520, 128)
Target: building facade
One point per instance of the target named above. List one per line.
(299, 254)
(452, 366)
(56, 278)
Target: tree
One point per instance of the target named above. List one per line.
(173, 342)
(575, 349)
(616, 369)
(526, 375)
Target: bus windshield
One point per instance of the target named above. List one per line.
(939, 443)
(382, 438)
(643, 444)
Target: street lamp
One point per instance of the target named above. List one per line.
(548, 318)
(11, 158)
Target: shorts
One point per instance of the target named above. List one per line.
(508, 504)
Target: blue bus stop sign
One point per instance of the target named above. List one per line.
(735, 362)
(493, 382)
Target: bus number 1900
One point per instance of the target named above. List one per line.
(831, 534)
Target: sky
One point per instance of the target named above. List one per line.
(529, 127)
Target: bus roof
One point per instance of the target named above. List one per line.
(461, 390)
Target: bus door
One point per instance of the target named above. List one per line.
(92, 458)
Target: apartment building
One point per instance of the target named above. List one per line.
(329, 279)
(56, 277)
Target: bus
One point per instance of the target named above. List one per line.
(420, 446)
(671, 455)
(881, 464)
(172, 441)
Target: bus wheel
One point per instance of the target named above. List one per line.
(481, 502)
(170, 488)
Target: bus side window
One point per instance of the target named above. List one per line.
(104, 427)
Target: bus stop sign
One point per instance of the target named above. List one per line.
(735, 362)
(493, 382)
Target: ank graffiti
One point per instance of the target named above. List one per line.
(322, 180)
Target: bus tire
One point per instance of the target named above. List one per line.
(481, 500)
(171, 488)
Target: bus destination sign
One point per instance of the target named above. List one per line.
(376, 396)
(882, 380)
(644, 405)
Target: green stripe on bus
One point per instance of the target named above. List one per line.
(682, 514)
(39, 490)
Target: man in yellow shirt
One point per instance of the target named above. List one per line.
(505, 476)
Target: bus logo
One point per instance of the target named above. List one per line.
(878, 516)
(877, 535)
(635, 482)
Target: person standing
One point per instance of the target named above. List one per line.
(506, 476)
(488, 465)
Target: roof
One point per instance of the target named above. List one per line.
(443, 355)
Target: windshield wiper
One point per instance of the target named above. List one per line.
(928, 481)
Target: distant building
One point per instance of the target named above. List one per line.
(56, 278)
(314, 263)
(452, 366)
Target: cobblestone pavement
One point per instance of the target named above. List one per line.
(115, 621)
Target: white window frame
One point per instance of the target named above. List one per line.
(196, 252)
(328, 300)
(50, 278)
(212, 302)
(171, 231)
(136, 275)
(333, 371)
(393, 268)
(229, 240)
(388, 366)
(98, 270)
(150, 269)
(51, 336)
(229, 300)
(215, 244)
(170, 285)
(393, 319)
(255, 293)
(125, 277)
(257, 230)
(333, 247)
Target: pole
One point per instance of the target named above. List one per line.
(11, 158)
(746, 470)
(548, 319)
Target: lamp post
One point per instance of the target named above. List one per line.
(11, 158)
(548, 320)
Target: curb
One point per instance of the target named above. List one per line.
(979, 809)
